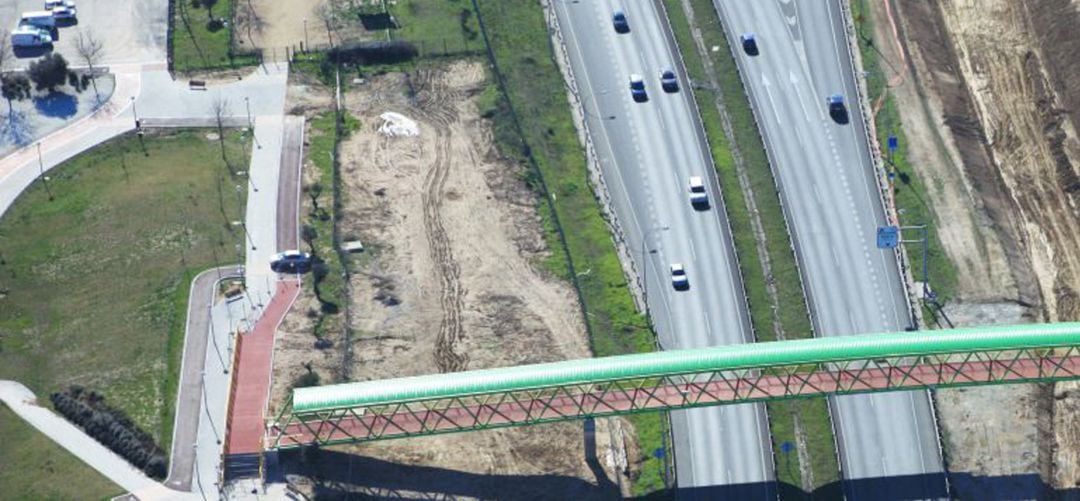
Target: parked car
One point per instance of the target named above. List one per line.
(679, 280)
(63, 12)
(30, 36)
(50, 4)
(699, 198)
(837, 108)
(749, 43)
(637, 88)
(40, 18)
(668, 81)
(292, 261)
(618, 18)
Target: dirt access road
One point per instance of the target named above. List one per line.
(989, 93)
(451, 280)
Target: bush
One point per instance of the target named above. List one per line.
(372, 53)
(49, 72)
(112, 428)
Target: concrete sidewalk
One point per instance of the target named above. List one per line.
(189, 398)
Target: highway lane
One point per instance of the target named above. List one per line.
(647, 152)
(826, 178)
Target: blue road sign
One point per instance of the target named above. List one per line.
(888, 237)
(893, 143)
(658, 453)
(786, 447)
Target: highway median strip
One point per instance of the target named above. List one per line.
(769, 270)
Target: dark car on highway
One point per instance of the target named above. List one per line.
(618, 19)
(749, 43)
(837, 108)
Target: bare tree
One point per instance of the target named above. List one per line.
(5, 48)
(90, 49)
(220, 109)
(328, 13)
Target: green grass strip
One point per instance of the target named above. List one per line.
(790, 314)
(34, 467)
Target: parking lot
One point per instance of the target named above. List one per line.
(132, 31)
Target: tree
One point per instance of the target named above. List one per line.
(90, 49)
(209, 4)
(14, 88)
(5, 47)
(49, 72)
(220, 108)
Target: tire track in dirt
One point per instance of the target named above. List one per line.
(435, 103)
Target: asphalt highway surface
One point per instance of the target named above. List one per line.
(648, 151)
(831, 197)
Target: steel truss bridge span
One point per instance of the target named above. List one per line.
(576, 389)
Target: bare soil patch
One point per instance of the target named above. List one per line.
(273, 25)
(448, 282)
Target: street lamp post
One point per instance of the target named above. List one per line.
(645, 263)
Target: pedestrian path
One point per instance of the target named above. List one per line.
(251, 383)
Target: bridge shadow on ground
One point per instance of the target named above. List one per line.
(340, 475)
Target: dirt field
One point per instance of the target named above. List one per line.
(447, 283)
(273, 25)
(990, 104)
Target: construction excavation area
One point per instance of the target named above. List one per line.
(451, 279)
(989, 98)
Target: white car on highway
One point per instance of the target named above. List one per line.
(699, 198)
(679, 280)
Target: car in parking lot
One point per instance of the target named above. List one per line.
(618, 19)
(837, 108)
(699, 198)
(637, 88)
(51, 4)
(668, 81)
(679, 280)
(63, 12)
(292, 261)
(749, 43)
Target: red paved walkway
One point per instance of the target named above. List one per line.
(251, 374)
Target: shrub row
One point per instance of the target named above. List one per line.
(87, 409)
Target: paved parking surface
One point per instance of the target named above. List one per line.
(132, 31)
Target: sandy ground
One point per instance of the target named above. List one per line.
(992, 110)
(449, 281)
(274, 25)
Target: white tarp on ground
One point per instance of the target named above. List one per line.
(396, 124)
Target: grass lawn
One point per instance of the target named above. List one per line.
(95, 282)
(196, 46)
(547, 141)
(789, 314)
(34, 467)
(437, 28)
